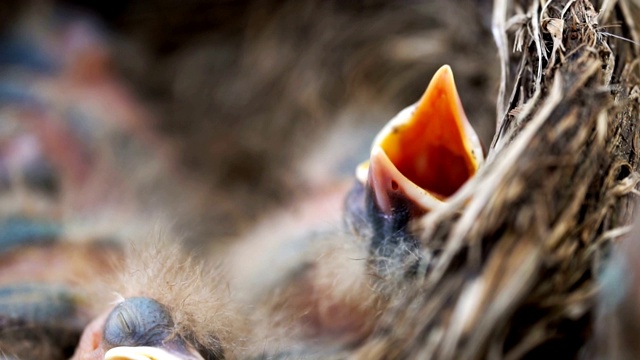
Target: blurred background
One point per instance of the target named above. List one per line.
(259, 101)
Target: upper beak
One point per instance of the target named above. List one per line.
(424, 154)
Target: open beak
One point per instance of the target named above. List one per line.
(422, 156)
(419, 159)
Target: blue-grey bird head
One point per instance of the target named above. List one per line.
(141, 328)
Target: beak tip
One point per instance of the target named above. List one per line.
(444, 73)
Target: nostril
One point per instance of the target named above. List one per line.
(394, 185)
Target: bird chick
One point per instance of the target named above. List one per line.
(168, 306)
(418, 160)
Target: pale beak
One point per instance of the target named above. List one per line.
(146, 353)
(420, 158)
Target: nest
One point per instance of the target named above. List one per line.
(508, 267)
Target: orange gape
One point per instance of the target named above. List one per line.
(431, 149)
(424, 154)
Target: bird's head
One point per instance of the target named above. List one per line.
(418, 160)
(139, 328)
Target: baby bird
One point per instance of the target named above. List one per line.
(419, 159)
